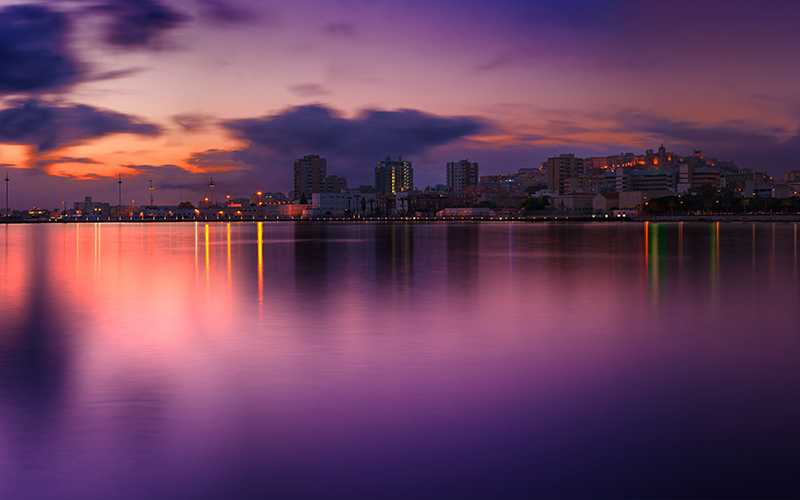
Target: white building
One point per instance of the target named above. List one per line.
(354, 200)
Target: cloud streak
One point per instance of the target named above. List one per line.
(139, 23)
(35, 123)
(352, 146)
(33, 50)
(373, 134)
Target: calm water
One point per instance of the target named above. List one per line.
(431, 360)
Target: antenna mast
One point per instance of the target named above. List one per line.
(119, 206)
(211, 185)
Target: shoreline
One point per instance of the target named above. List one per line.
(528, 218)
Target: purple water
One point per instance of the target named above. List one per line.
(305, 360)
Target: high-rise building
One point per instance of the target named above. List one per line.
(394, 176)
(561, 168)
(309, 173)
(461, 174)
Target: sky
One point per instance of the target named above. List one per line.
(176, 92)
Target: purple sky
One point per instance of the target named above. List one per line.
(177, 91)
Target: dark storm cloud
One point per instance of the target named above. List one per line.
(33, 122)
(33, 52)
(374, 134)
(351, 146)
(139, 23)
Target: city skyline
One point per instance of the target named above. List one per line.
(177, 92)
(658, 169)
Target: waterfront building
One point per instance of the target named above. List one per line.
(573, 201)
(292, 210)
(635, 200)
(309, 172)
(464, 212)
(461, 174)
(89, 207)
(262, 198)
(355, 201)
(329, 203)
(392, 176)
(604, 202)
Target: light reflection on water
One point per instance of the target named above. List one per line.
(394, 360)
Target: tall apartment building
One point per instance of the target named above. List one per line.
(461, 174)
(309, 174)
(561, 168)
(394, 176)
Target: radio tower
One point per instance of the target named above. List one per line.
(119, 206)
(7, 179)
(211, 185)
(151, 193)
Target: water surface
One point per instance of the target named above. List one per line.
(313, 360)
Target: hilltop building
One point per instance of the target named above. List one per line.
(561, 168)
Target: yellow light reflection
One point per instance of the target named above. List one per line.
(97, 252)
(208, 263)
(229, 252)
(260, 266)
(77, 247)
(196, 249)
